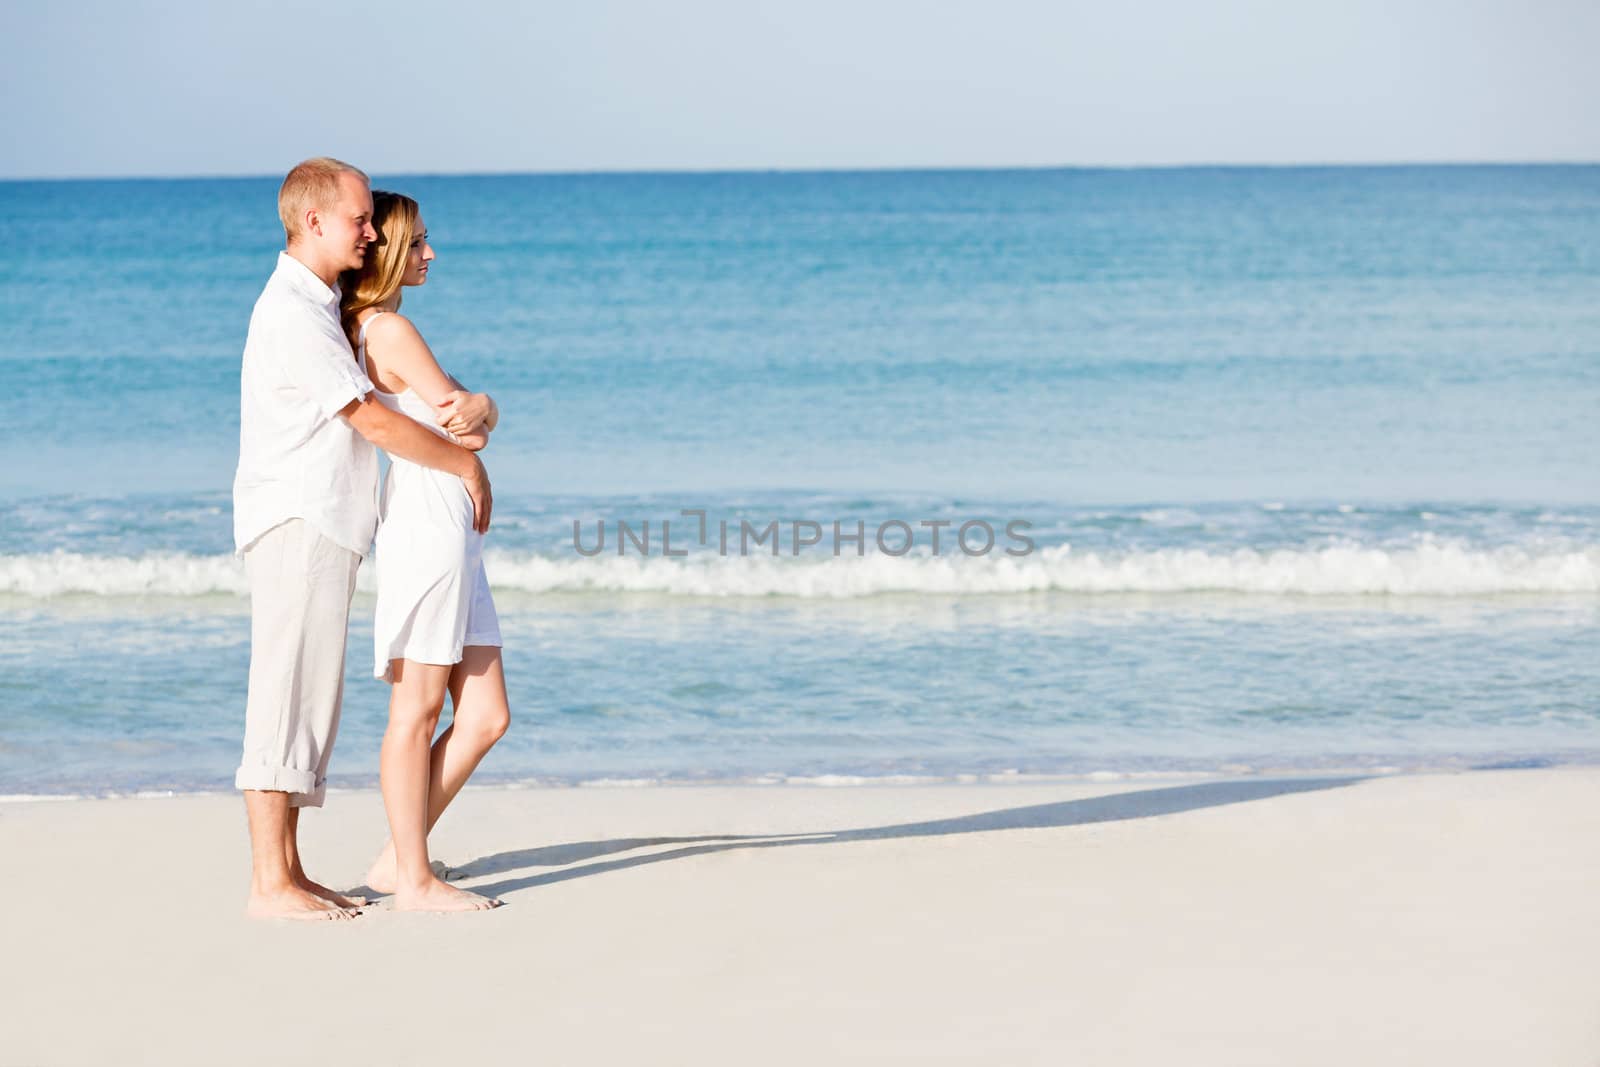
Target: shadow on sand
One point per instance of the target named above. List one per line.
(1135, 805)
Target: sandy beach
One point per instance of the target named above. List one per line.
(1425, 919)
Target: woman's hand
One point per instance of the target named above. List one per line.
(462, 413)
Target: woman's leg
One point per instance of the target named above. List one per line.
(482, 714)
(415, 700)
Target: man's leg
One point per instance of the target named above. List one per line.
(330, 587)
(291, 843)
(301, 586)
(315, 798)
(273, 891)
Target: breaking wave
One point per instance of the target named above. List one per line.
(1427, 568)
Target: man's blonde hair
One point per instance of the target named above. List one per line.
(312, 184)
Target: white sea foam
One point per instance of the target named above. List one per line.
(1428, 567)
(62, 573)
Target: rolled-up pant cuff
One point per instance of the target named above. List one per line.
(302, 786)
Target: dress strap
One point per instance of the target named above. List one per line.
(361, 337)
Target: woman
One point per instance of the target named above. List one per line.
(435, 629)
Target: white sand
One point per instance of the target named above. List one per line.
(1443, 919)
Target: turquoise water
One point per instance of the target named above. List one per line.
(1306, 457)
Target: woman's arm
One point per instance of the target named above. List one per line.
(466, 410)
(476, 439)
(398, 352)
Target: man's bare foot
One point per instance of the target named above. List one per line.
(331, 896)
(292, 902)
(382, 878)
(435, 895)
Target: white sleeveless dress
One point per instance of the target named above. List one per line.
(433, 595)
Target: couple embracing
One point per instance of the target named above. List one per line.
(332, 372)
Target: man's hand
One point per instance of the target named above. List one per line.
(477, 484)
(402, 436)
(462, 412)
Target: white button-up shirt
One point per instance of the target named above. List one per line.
(297, 458)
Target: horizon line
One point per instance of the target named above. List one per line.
(824, 170)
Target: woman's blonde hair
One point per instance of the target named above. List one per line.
(395, 218)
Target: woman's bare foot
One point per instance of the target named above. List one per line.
(382, 877)
(293, 902)
(434, 895)
(331, 896)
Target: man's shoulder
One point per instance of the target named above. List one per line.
(282, 290)
(281, 309)
(276, 298)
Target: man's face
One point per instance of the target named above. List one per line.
(347, 225)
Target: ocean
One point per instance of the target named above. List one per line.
(1233, 470)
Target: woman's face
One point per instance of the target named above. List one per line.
(418, 256)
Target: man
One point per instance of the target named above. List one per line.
(305, 505)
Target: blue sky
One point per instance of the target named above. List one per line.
(185, 87)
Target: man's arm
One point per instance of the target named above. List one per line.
(476, 441)
(401, 436)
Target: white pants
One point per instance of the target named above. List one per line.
(300, 589)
